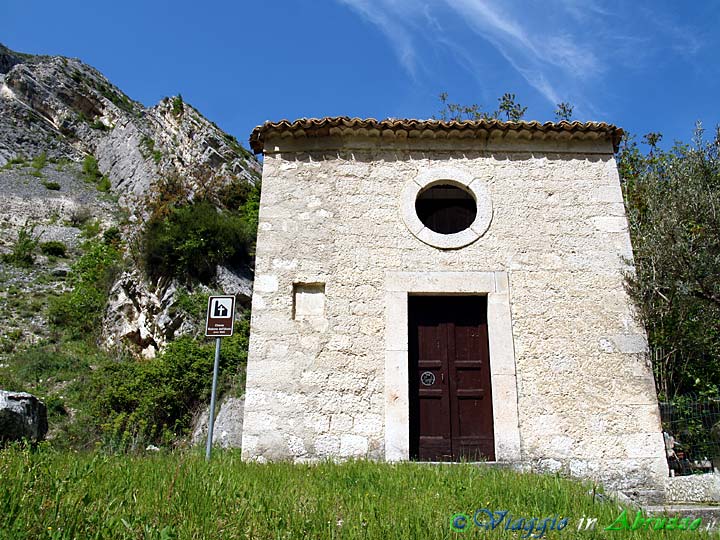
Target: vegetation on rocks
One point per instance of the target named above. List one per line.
(178, 107)
(53, 186)
(147, 148)
(23, 250)
(78, 312)
(91, 174)
(154, 402)
(108, 397)
(53, 248)
(39, 162)
(187, 239)
(192, 240)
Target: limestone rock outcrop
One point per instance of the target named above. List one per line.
(66, 108)
(227, 430)
(140, 315)
(22, 416)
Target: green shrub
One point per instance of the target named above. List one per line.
(90, 170)
(55, 406)
(61, 163)
(143, 402)
(192, 240)
(119, 99)
(672, 200)
(39, 161)
(8, 342)
(91, 228)
(249, 211)
(78, 312)
(54, 248)
(112, 236)
(192, 304)
(178, 106)
(168, 192)
(22, 253)
(17, 160)
(147, 149)
(147, 145)
(103, 184)
(99, 125)
(234, 194)
(10, 382)
(54, 186)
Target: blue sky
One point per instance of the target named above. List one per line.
(643, 65)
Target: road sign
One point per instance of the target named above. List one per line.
(220, 316)
(219, 324)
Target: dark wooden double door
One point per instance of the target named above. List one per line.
(451, 415)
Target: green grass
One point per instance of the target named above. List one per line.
(50, 494)
(17, 160)
(39, 161)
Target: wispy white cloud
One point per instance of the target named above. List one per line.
(475, 67)
(535, 52)
(582, 10)
(384, 15)
(559, 47)
(681, 39)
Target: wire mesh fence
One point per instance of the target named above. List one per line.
(691, 426)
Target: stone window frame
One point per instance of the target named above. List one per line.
(503, 377)
(432, 176)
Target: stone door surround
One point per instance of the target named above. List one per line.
(494, 285)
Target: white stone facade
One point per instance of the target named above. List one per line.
(572, 386)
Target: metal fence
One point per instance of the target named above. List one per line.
(691, 426)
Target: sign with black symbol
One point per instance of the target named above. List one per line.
(220, 316)
(427, 378)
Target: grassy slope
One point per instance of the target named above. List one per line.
(50, 494)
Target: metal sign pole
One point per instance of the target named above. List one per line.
(211, 418)
(219, 323)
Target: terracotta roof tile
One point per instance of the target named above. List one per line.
(408, 128)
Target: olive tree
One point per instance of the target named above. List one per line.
(673, 204)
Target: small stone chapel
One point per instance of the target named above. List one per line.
(445, 291)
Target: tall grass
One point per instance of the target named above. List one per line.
(63, 495)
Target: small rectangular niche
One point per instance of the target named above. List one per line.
(308, 301)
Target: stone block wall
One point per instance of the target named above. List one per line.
(331, 215)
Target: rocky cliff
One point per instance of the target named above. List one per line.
(66, 108)
(75, 150)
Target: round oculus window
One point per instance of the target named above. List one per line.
(446, 208)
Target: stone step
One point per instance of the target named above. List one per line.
(708, 513)
(490, 464)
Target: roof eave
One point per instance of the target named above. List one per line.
(322, 127)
